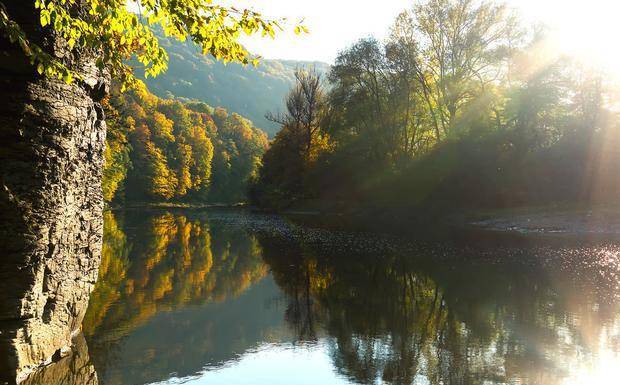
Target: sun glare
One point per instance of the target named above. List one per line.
(605, 371)
(605, 368)
(587, 30)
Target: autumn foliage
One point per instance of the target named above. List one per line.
(162, 150)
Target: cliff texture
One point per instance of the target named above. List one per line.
(52, 137)
(75, 369)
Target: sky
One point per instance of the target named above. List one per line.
(589, 27)
(333, 24)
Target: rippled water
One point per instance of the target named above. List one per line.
(229, 297)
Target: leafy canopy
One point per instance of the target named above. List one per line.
(117, 35)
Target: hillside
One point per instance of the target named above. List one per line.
(249, 91)
(162, 150)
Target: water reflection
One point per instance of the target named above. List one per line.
(465, 320)
(229, 297)
(168, 297)
(74, 369)
(170, 261)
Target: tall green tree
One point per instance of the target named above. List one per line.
(462, 44)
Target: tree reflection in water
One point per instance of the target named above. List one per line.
(187, 292)
(158, 264)
(173, 262)
(465, 319)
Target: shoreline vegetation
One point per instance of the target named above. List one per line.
(395, 134)
(461, 109)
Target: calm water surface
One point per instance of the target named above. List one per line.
(226, 297)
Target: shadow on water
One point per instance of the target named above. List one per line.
(185, 294)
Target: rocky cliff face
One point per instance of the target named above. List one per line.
(52, 138)
(75, 369)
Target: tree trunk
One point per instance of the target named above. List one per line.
(52, 138)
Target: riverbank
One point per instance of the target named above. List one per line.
(601, 221)
(596, 221)
(174, 205)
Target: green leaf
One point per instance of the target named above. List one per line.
(45, 17)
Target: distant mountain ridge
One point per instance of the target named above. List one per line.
(249, 91)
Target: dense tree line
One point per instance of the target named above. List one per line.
(164, 150)
(461, 105)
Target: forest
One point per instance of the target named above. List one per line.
(461, 107)
(160, 150)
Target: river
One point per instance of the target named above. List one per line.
(231, 297)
